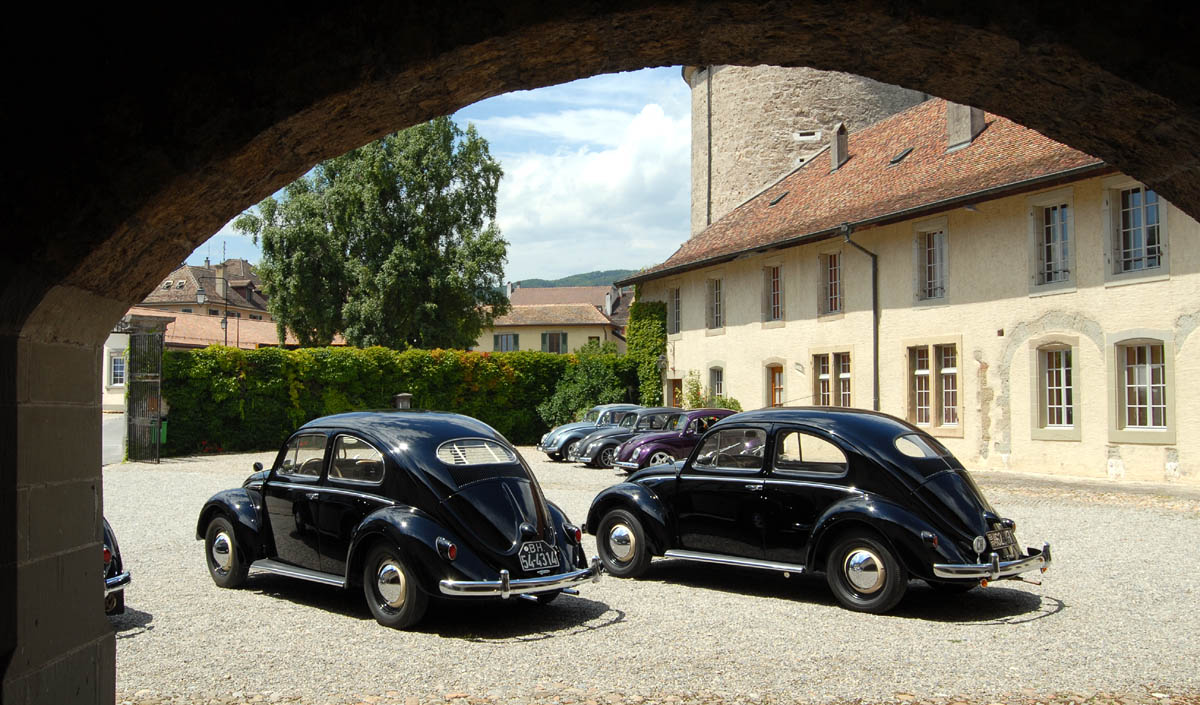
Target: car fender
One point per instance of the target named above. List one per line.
(575, 553)
(242, 509)
(644, 504)
(900, 527)
(415, 534)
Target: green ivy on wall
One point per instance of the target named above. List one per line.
(646, 341)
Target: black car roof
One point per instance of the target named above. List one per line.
(854, 422)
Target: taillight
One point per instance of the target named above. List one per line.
(107, 556)
(573, 532)
(447, 548)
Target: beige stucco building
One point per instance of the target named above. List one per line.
(1036, 310)
(558, 319)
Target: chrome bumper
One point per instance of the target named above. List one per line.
(995, 569)
(626, 464)
(504, 587)
(117, 582)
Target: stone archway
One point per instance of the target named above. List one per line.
(132, 144)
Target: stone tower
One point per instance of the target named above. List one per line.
(752, 125)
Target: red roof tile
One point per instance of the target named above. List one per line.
(813, 200)
(553, 315)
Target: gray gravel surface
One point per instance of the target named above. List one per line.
(1117, 613)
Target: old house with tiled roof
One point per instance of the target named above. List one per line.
(231, 286)
(1022, 301)
(559, 319)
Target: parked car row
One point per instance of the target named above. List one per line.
(628, 436)
(410, 506)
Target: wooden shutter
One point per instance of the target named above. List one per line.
(708, 303)
(516, 341)
(766, 294)
(562, 342)
(495, 343)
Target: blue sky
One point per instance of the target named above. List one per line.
(596, 174)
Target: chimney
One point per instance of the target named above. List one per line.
(839, 147)
(403, 400)
(608, 302)
(963, 124)
(206, 264)
(509, 289)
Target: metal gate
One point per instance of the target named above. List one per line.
(144, 400)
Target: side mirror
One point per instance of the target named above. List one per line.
(257, 467)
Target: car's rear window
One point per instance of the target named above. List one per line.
(475, 459)
(918, 446)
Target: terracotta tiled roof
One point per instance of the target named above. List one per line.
(867, 189)
(559, 295)
(553, 315)
(244, 286)
(193, 330)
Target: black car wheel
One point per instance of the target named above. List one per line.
(606, 457)
(864, 575)
(114, 603)
(661, 457)
(622, 544)
(391, 589)
(226, 563)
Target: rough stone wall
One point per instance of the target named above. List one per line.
(768, 120)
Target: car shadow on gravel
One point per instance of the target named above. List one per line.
(993, 605)
(131, 623)
(476, 620)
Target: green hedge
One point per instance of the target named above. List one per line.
(226, 399)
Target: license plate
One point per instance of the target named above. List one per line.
(1001, 538)
(537, 555)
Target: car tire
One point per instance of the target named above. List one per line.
(225, 559)
(660, 457)
(114, 603)
(566, 451)
(606, 456)
(555, 457)
(621, 542)
(864, 575)
(390, 587)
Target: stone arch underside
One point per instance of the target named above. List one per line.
(129, 145)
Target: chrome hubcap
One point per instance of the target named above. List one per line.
(864, 570)
(222, 552)
(661, 459)
(389, 582)
(621, 542)
(606, 457)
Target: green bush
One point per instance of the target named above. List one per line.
(226, 399)
(594, 375)
(696, 396)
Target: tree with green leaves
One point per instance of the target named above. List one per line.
(392, 244)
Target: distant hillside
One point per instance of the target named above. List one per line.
(590, 279)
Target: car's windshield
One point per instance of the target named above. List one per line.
(656, 422)
(629, 420)
(592, 415)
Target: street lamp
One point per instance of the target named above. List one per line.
(201, 297)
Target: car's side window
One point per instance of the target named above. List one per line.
(732, 449)
(303, 456)
(355, 460)
(801, 453)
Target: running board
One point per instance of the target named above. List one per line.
(735, 561)
(268, 565)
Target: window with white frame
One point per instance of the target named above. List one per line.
(1054, 244)
(775, 382)
(831, 282)
(506, 342)
(715, 304)
(934, 395)
(831, 379)
(116, 369)
(822, 381)
(716, 381)
(773, 293)
(1139, 245)
(674, 310)
(931, 256)
(1144, 385)
(841, 365)
(1058, 390)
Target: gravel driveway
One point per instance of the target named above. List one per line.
(1119, 612)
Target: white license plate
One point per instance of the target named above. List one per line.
(537, 555)
(1001, 538)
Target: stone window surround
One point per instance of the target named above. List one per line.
(777, 261)
(823, 252)
(113, 355)
(831, 350)
(935, 428)
(769, 364)
(1112, 187)
(1117, 431)
(715, 275)
(1037, 431)
(716, 365)
(674, 289)
(921, 227)
(1034, 205)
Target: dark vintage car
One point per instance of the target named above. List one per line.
(559, 442)
(116, 578)
(599, 448)
(675, 443)
(865, 498)
(407, 505)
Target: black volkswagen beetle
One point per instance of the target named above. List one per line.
(116, 578)
(406, 504)
(863, 497)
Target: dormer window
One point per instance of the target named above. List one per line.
(167, 284)
(179, 284)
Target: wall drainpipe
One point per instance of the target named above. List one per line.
(847, 228)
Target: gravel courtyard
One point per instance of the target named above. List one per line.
(1118, 614)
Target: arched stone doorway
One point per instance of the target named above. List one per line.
(129, 145)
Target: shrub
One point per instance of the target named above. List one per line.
(646, 335)
(696, 396)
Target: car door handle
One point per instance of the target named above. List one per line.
(312, 495)
(754, 488)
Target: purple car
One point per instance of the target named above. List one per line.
(670, 445)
